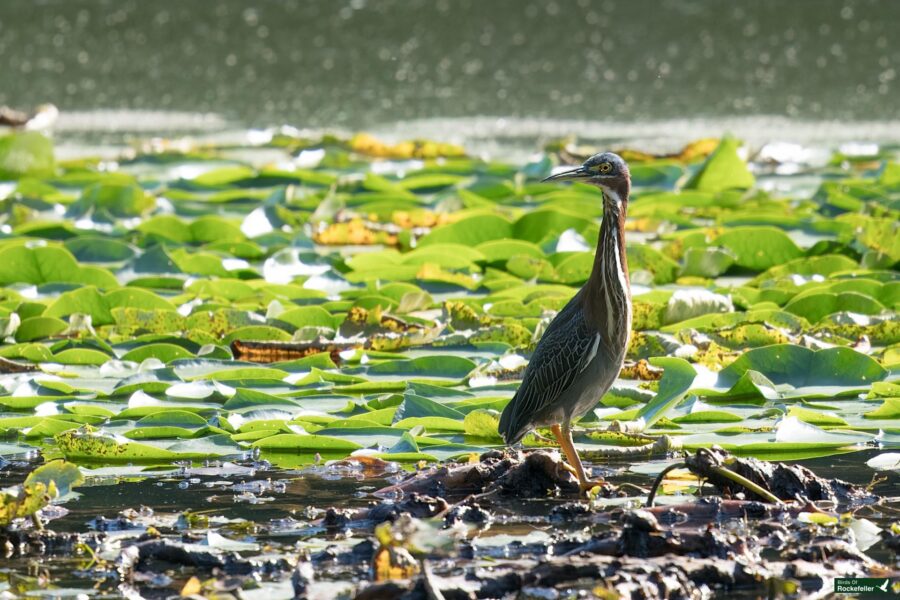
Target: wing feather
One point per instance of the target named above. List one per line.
(564, 351)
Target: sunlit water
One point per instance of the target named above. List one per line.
(605, 69)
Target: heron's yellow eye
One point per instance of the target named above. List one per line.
(605, 167)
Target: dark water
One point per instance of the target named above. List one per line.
(213, 496)
(360, 63)
(310, 489)
(319, 488)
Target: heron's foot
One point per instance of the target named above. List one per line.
(585, 484)
(589, 484)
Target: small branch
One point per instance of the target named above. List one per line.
(658, 481)
(744, 482)
(627, 485)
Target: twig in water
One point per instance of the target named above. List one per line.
(743, 481)
(659, 479)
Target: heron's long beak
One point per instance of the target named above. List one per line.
(578, 173)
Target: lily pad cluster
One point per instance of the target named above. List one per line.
(326, 297)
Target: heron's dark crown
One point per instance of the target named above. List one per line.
(607, 165)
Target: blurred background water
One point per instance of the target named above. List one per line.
(460, 68)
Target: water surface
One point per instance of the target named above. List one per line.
(362, 63)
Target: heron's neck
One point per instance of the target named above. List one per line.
(608, 290)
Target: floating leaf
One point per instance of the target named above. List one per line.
(758, 248)
(36, 328)
(80, 356)
(706, 262)
(687, 304)
(677, 377)
(470, 231)
(799, 366)
(482, 424)
(26, 154)
(815, 307)
(113, 198)
(497, 252)
(455, 367)
(724, 169)
(815, 417)
(644, 258)
(63, 475)
(162, 352)
(813, 265)
(291, 442)
(539, 224)
(307, 316)
(889, 409)
(48, 264)
(99, 249)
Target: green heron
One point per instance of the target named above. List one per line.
(581, 352)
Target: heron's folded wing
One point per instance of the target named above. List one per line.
(565, 350)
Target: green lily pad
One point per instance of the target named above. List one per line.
(26, 154)
(163, 352)
(799, 366)
(470, 231)
(678, 375)
(37, 328)
(815, 307)
(723, 169)
(455, 367)
(49, 264)
(114, 198)
(758, 248)
(889, 409)
(291, 442)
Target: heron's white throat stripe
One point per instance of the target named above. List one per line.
(612, 272)
(612, 195)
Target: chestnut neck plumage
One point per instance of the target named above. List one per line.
(607, 297)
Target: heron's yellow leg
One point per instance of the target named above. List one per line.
(564, 437)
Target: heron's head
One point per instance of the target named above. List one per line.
(606, 170)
